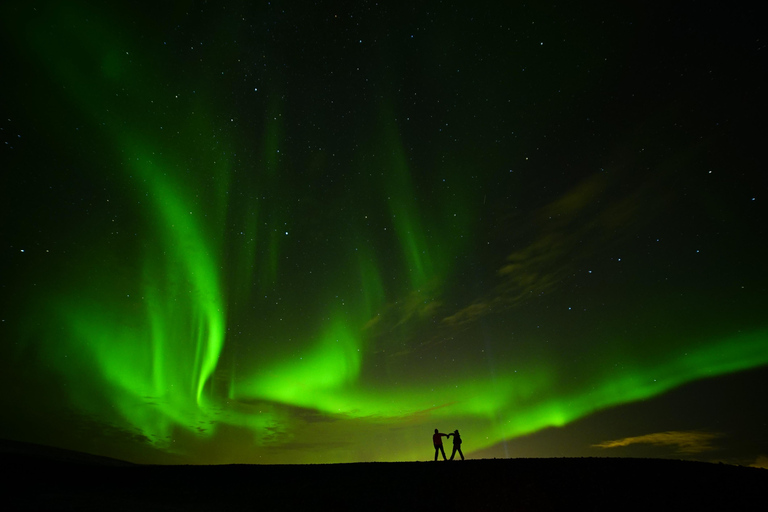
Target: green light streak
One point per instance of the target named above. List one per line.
(189, 260)
(506, 407)
(372, 289)
(166, 354)
(169, 353)
(400, 199)
(330, 365)
(718, 357)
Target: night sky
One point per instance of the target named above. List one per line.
(276, 232)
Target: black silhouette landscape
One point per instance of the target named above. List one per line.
(43, 478)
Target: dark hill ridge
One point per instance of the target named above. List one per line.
(496, 484)
(30, 453)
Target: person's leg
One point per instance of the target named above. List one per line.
(462, 455)
(436, 448)
(454, 452)
(441, 449)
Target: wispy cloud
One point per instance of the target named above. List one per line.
(586, 219)
(692, 441)
(761, 462)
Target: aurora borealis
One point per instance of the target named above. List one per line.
(264, 232)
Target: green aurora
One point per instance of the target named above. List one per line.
(253, 293)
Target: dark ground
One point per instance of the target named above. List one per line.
(51, 479)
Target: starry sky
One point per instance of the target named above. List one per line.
(294, 232)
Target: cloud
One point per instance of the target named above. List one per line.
(685, 441)
(570, 229)
(588, 219)
(469, 313)
(761, 462)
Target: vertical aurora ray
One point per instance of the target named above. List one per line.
(189, 261)
(151, 357)
(404, 210)
(173, 356)
(371, 287)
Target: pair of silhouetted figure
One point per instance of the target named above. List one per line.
(437, 440)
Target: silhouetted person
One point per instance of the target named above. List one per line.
(456, 445)
(437, 440)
